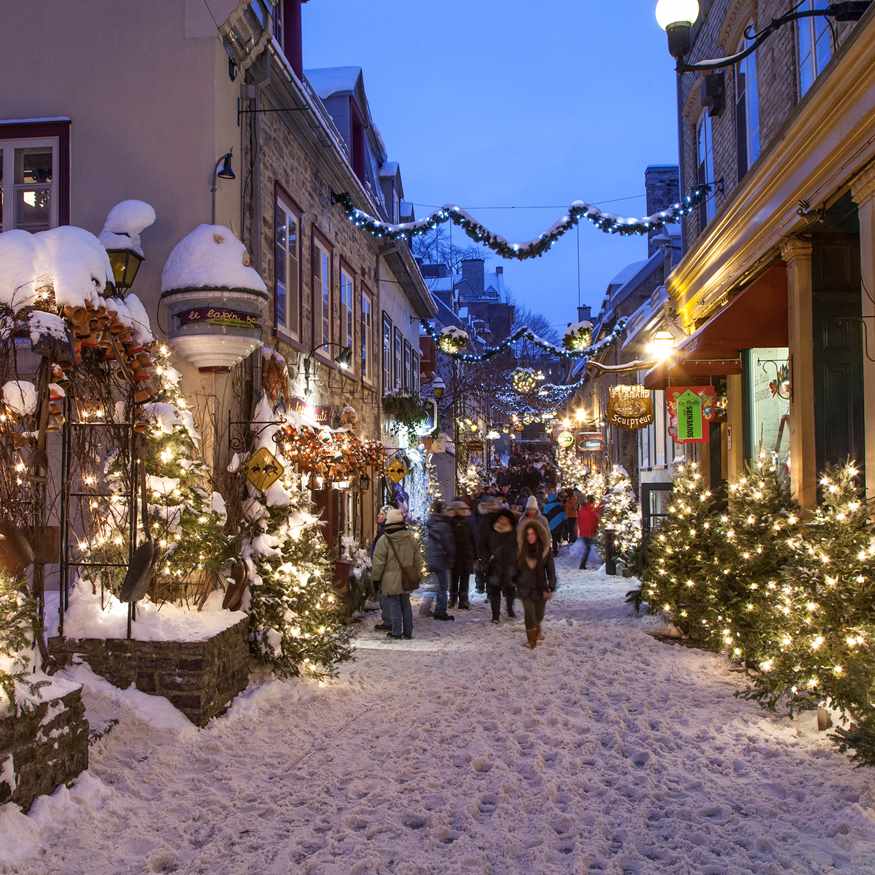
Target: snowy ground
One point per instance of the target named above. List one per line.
(463, 752)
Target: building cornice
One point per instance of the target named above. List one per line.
(830, 139)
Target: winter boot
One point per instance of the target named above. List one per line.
(510, 611)
(532, 638)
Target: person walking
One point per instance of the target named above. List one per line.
(587, 526)
(535, 578)
(440, 555)
(397, 555)
(533, 512)
(571, 508)
(463, 563)
(487, 508)
(385, 624)
(502, 562)
(555, 513)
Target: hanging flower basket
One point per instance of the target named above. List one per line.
(578, 336)
(407, 413)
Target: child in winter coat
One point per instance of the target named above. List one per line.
(535, 577)
(502, 563)
(587, 526)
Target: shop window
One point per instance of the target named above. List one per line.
(321, 295)
(767, 402)
(814, 43)
(347, 313)
(747, 110)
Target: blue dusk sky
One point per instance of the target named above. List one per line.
(496, 103)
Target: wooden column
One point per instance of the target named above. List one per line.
(863, 192)
(796, 251)
(734, 427)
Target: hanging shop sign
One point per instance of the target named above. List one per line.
(590, 442)
(263, 469)
(565, 439)
(397, 469)
(690, 410)
(630, 407)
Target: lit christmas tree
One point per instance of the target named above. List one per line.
(296, 621)
(824, 645)
(683, 557)
(621, 517)
(572, 469)
(756, 537)
(17, 624)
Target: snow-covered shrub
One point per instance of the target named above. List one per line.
(17, 622)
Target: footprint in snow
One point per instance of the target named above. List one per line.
(481, 765)
(640, 758)
(414, 821)
(488, 804)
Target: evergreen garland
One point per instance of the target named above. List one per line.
(480, 234)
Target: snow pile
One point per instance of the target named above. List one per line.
(124, 225)
(70, 260)
(86, 619)
(41, 324)
(168, 416)
(20, 397)
(210, 257)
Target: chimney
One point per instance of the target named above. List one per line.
(662, 189)
(473, 277)
(584, 313)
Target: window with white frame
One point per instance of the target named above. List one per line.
(408, 363)
(387, 354)
(287, 269)
(366, 328)
(747, 110)
(321, 294)
(814, 43)
(398, 360)
(705, 165)
(347, 313)
(416, 369)
(29, 176)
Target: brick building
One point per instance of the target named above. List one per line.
(770, 288)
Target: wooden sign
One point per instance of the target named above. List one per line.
(690, 411)
(565, 439)
(630, 407)
(263, 469)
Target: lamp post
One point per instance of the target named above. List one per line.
(677, 17)
(222, 170)
(343, 358)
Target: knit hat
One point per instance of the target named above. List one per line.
(394, 517)
(532, 503)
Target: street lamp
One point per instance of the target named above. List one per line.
(125, 264)
(222, 170)
(438, 387)
(677, 17)
(343, 359)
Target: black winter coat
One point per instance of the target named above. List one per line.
(532, 583)
(502, 548)
(466, 550)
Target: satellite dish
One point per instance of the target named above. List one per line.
(139, 574)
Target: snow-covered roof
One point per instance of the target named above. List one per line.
(627, 273)
(210, 257)
(334, 80)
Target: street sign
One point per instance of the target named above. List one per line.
(263, 469)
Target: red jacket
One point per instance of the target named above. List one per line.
(587, 521)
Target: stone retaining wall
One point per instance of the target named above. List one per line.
(41, 749)
(200, 678)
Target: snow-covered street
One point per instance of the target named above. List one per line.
(463, 752)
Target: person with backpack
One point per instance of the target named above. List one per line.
(587, 526)
(501, 563)
(398, 567)
(554, 510)
(440, 555)
(534, 577)
(463, 564)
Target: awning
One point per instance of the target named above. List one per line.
(756, 317)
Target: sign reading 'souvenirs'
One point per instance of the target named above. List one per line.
(691, 408)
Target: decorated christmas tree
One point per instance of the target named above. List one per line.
(621, 517)
(683, 557)
(572, 469)
(822, 648)
(296, 620)
(757, 533)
